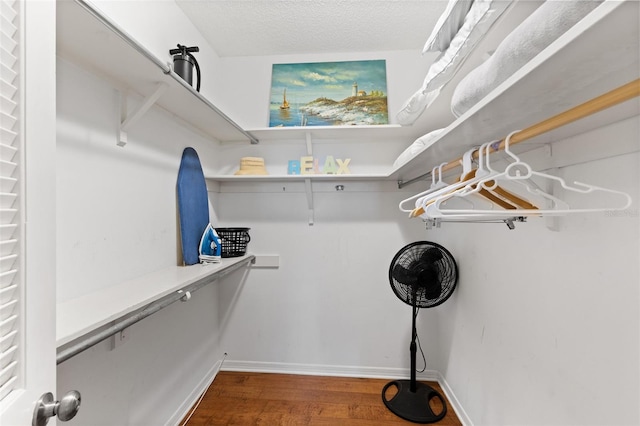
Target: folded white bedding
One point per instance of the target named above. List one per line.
(539, 30)
(448, 25)
(421, 143)
(481, 16)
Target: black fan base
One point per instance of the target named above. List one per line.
(413, 406)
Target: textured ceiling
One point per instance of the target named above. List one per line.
(274, 27)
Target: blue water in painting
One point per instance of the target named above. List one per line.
(293, 117)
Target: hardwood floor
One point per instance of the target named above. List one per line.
(280, 399)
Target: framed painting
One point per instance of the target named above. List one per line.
(348, 93)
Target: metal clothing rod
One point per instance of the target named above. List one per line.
(84, 343)
(602, 102)
(165, 68)
(435, 222)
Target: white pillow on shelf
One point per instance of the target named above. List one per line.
(481, 16)
(447, 26)
(415, 105)
(534, 34)
(416, 147)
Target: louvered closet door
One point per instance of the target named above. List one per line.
(27, 207)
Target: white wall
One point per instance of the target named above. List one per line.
(116, 220)
(543, 328)
(329, 304)
(549, 336)
(116, 210)
(328, 308)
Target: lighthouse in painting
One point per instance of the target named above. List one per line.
(354, 89)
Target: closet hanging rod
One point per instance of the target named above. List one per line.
(165, 68)
(597, 104)
(85, 342)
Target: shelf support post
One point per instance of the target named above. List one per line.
(142, 110)
(307, 182)
(309, 145)
(307, 188)
(552, 223)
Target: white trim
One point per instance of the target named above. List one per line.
(453, 401)
(193, 397)
(324, 370)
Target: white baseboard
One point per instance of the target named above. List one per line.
(324, 370)
(349, 371)
(183, 410)
(454, 402)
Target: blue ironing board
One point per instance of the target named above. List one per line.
(193, 205)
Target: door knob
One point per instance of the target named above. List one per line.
(65, 409)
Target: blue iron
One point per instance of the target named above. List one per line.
(210, 246)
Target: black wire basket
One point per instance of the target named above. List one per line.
(234, 241)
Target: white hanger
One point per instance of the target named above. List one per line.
(434, 186)
(465, 186)
(490, 188)
(430, 197)
(555, 203)
(514, 173)
(508, 218)
(479, 174)
(439, 212)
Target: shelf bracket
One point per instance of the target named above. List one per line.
(307, 182)
(147, 103)
(309, 192)
(552, 223)
(309, 145)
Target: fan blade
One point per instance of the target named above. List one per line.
(429, 281)
(431, 255)
(410, 274)
(404, 275)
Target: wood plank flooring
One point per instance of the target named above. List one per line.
(281, 399)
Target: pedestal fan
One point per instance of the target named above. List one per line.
(422, 274)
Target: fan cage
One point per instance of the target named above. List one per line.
(446, 268)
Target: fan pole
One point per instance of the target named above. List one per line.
(413, 348)
(411, 402)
